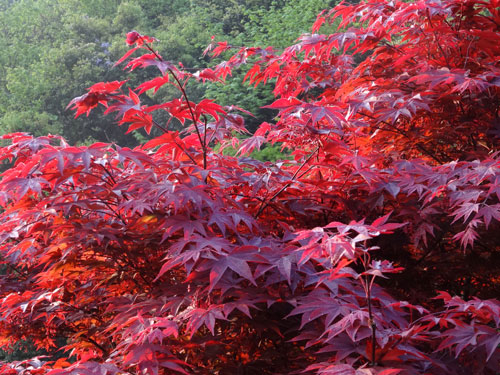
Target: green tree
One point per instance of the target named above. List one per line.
(51, 48)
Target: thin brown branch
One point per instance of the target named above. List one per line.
(178, 145)
(404, 134)
(190, 108)
(265, 204)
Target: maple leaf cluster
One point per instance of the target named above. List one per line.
(175, 258)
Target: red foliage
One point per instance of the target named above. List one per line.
(172, 258)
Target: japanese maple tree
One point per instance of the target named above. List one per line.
(368, 252)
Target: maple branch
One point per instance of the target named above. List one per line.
(108, 173)
(96, 211)
(184, 94)
(163, 129)
(178, 145)
(373, 326)
(19, 272)
(123, 269)
(467, 53)
(367, 286)
(74, 329)
(264, 205)
(117, 214)
(403, 133)
(193, 117)
(204, 145)
(437, 40)
(124, 195)
(104, 351)
(98, 177)
(263, 200)
(214, 132)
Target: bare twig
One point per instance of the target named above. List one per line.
(265, 204)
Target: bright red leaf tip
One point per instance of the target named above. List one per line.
(132, 37)
(100, 93)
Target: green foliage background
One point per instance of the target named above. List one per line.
(51, 50)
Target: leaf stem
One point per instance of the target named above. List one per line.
(190, 108)
(265, 204)
(178, 145)
(373, 326)
(404, 134)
